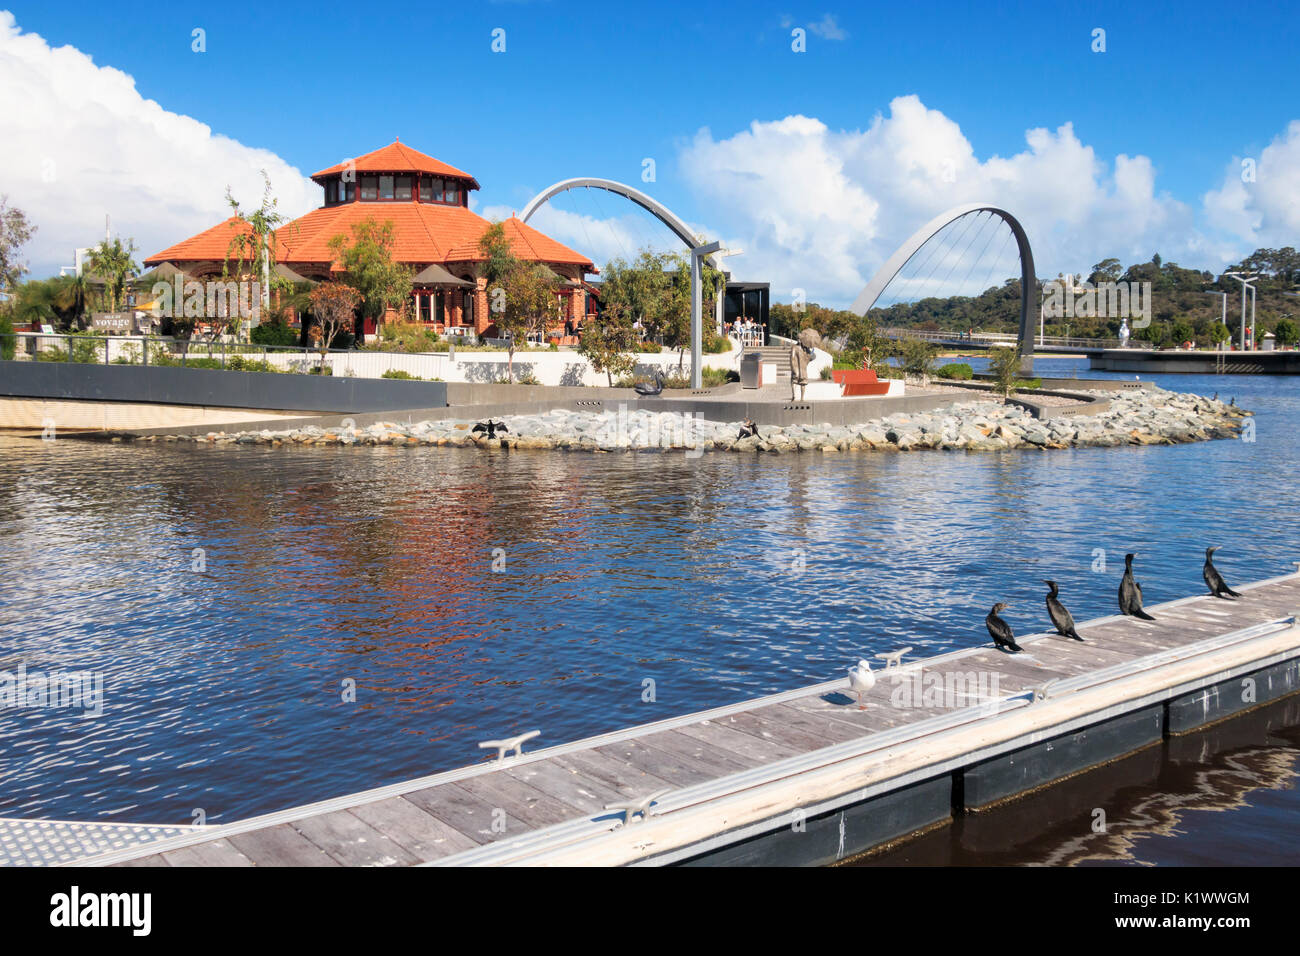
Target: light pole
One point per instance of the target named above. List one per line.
(1245, 281)
(1224, 320)
(697, 320)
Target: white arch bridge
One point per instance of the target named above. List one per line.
(1029, 296)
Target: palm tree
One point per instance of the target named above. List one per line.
(114, 263)
(72, 295)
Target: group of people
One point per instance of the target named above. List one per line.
(748, 331)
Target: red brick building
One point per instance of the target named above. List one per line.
(436, 234)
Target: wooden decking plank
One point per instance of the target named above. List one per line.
(771, 727)
(622, 776)
(567, 784)
(421, 834)
(352, 841)
(280, 845)
(464, 812)
(676, 769)
(714, 761)
(531, 806)
(829, 730)
(716, 733)
(215, 853)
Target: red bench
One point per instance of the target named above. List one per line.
(859, 381)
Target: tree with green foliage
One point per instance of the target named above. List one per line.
(15, 231)
(1287, 332)
(254, 249)
(916, 357)
(523, 302)
(1219, 333)
(1182, 332)
(1004, 366)
(369, 267)
(607, 344)
(114, 262)
(333, 309)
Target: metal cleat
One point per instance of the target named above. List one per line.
(894, 658)
(509, 743)
(1042, 691)
(633, 807)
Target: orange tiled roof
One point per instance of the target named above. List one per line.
(423, 233)
(209, 245)
(396, 158)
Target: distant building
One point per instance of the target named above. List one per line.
(436, 234)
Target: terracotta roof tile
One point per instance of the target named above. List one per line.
(397, 158)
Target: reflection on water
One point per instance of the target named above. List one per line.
(1225, 795)
(721, 578)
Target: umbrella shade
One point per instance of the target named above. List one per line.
(284, 272)
(164, 272)
(437, 275)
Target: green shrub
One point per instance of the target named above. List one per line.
(275, 332)
(397, 373)
(8, 344)
(713, 377)
(826, 373)
(714, 344)
(956, 370)
(1004, 365)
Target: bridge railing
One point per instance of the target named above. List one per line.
(1002, 338)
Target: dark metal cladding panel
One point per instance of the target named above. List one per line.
(1214, 703)
(1038, 764)
(842, 833)
(214, 388)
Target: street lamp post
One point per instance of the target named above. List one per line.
(1245, 281)
(1224, 320)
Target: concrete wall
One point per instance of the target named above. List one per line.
(1197, 363)
(207, 387)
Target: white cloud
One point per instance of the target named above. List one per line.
(81, 142)
(828, 29)
(1265, 211)
(821, 209)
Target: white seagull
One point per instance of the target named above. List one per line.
(861, 680)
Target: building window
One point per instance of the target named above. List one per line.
(369, 188)
(452, 194)
(347, 192)
(426, 189)
(331, 193)
(402, 187)
(385, 187)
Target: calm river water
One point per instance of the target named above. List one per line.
(717, 578)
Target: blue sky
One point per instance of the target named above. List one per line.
(594, 89)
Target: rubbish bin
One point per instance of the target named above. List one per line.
(750, 369)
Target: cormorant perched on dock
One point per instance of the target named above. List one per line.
(489, 428)
(1214, 580)
(1001, 631)
(748, 430)
(651, 388)
(1061, 618)
(1130, 592)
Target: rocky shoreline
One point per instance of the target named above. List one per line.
(1154, 417)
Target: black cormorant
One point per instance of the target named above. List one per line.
(1214, 580)
(1061, 618)
(490, 428)
(1130, 592)
(748, 430)
(1001, 631)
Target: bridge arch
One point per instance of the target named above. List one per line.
(657, 209)
(1028, 280)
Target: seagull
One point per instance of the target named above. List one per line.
(748, 430)
(649, 389)
(1001, 631)
(1061, 617)
(1214, 580)
(490, 428)
(1130, 592)
(861, 680)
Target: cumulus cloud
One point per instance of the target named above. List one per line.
(82, 143)
(821, 209)
(1259, 197)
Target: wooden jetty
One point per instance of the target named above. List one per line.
(804, 776)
